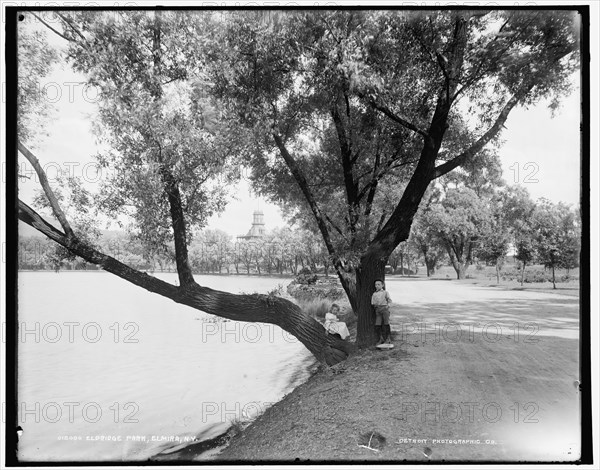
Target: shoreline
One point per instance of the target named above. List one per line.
(284, 276)
(399, 406)
(407, 397)
(307, 422)
(570, 288)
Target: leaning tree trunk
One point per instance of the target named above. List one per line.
(247, 308)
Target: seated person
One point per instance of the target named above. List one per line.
(333, 326)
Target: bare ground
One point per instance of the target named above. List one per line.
(477, 374)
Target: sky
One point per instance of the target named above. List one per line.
(541, 152)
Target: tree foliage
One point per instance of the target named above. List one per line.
(461, 220)
(156, 117)
(556, 236)
(37, 58)
(354, 113)
(344, 115)
(495, 241)
(424, 236)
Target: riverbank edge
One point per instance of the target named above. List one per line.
(211, 449)
(218, 449)
(355, 411)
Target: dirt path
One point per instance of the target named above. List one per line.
(477, 374)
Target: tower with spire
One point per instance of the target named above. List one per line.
(258, 226)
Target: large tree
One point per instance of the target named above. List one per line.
(461, 221)
(354, 113)
(517, 209)
(170, 156)
(495, 242)
(331, 106)
(425, 239)
(556, 235)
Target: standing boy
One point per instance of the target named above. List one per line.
(380, 301)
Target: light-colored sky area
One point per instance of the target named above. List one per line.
(541, 152)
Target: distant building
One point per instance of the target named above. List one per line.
(258, 227)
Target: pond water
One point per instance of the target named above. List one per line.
(108, 371)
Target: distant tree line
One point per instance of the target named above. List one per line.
(454, 226)
(460, 227)
(280, 251)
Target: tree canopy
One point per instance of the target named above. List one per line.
(342, 103)
(345, 117)
(354, 113)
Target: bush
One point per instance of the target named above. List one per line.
(326, 289)
(534, 275)
(537, 275)
(306, 277)
(316, 308)
(276, 292)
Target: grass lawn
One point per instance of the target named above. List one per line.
(510, 278)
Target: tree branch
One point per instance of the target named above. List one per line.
(380, 223)
(248, 308)
(330, 29)
(333, 224)
(475, 75)
(346, 151)
(56, 210)
(88, 253)
(403, 121)
(51, 28)
(448, 166)
(186, 278)
(76, 30)
(452, 67)
(371, 186)
(310, 198)
(347, 166)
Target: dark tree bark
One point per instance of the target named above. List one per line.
(357, 281)
(365, 286)
(430, 260)
(249, 308)
(459, 261)
(178, 221)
